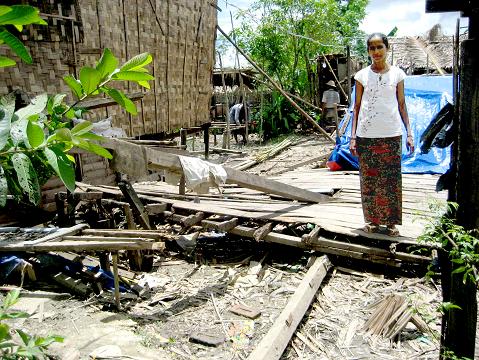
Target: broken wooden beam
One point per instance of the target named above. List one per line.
(275, 341)
(261, 232)
(312, 236)
(334, 247)
(224, 226)
(133, 159)
(137, 206)
(193, 219)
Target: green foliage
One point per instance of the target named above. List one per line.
(462, 245)
(14, 342)
(289, 37)
(17, 16)
(449, 355)
(35, 140)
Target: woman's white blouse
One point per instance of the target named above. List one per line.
(379, 112)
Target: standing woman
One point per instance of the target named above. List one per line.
(376, 137)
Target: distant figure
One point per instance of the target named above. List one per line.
(330, 103)
(237, 114)
(238, 117)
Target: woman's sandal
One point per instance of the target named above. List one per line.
(370, 228)
(392, 231)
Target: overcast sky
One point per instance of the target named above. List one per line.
(382, 16)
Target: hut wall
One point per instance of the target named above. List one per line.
(179, 34)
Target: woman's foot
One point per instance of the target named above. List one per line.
(392, 230)
(371, 228)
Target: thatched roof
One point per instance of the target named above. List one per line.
(419, 54)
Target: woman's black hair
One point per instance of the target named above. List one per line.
(383, 37)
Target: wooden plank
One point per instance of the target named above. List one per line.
(58, 234)
(86, 245)
(275, 341)
(151, 234)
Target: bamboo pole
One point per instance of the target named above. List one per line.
(242, 89)
(279, 88)
(226, 144)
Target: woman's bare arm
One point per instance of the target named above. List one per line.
(404, 115)
(354, 125)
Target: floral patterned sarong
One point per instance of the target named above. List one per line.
(380, 177)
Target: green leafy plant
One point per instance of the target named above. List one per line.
(14, 342)
(35, 140)
(463, 244)
(16, 16)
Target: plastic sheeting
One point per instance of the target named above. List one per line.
(425, 97)
(200, 174)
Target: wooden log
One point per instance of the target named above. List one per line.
(159, 160)
(104, 238)
(280, 89)
(275, 341)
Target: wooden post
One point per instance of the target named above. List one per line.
(226, 107)
(459, 326)
(182, 186)
(206, 140)
(114, 256)
(280, 89)
(348, 73)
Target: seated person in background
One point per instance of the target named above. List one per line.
(330, 103)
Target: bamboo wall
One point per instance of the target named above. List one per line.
(179, 34)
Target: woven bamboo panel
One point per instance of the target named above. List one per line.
(179, 34)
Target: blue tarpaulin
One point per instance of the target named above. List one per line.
(425, 97)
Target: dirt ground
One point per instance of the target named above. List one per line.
(192, 292)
